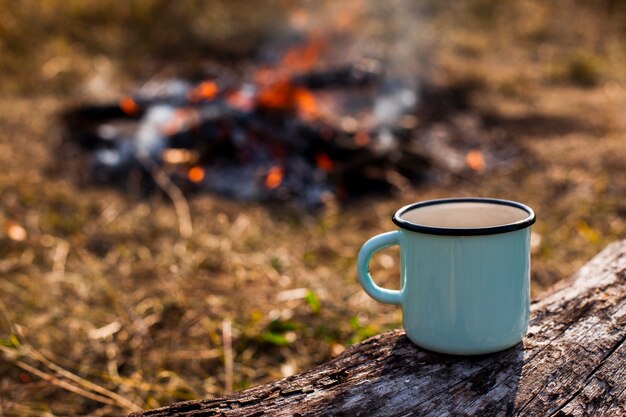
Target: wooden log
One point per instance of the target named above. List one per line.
(572, 362)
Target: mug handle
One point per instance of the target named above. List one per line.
(373, 245)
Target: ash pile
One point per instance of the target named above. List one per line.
(283, 133)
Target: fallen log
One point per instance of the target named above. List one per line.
(572, 362)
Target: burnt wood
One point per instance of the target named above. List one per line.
(571, 363)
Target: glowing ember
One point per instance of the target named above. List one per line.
(324, 162)
(206, 90)
(306, 104)
(274, 177)
(277, 96)
(176, 156)
(475, 161)
(195, 174)
(15, 232)
(284, 96)
(129, 106)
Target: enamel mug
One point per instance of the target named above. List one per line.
(465, 273)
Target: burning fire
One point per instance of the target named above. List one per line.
(276, 96)
(129, 106)
(196, 174)
(306, 104)
(274, 177)
(303, 115)
(302, 58)
(324, 162)
(276, 89)
(284, 96)
(206, 90)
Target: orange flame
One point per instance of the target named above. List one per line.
(306, 103)
(128, 105)
(206, 90)
(475, 160)
(303, 57)
(276, 96)
(274, 177)
(277, 92)
(196, 174)
(284, 96)
(324, 162)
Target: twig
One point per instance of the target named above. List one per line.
(118, 399)
(60, 258)
(228, 355)
(181, 207)
(66, 385)
(112, 397)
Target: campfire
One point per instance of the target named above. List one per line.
(290, 129)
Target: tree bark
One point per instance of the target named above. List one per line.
(572, 362)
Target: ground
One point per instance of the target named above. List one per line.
(104, 305)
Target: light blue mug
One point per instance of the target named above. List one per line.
(465, 273)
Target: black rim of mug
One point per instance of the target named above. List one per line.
(475, 231)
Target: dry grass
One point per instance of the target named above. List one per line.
(104, 305)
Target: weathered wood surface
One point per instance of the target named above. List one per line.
(572, 362)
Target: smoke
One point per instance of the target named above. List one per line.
(399, 91)
(390, 33)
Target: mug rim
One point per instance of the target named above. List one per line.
(471, 231)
